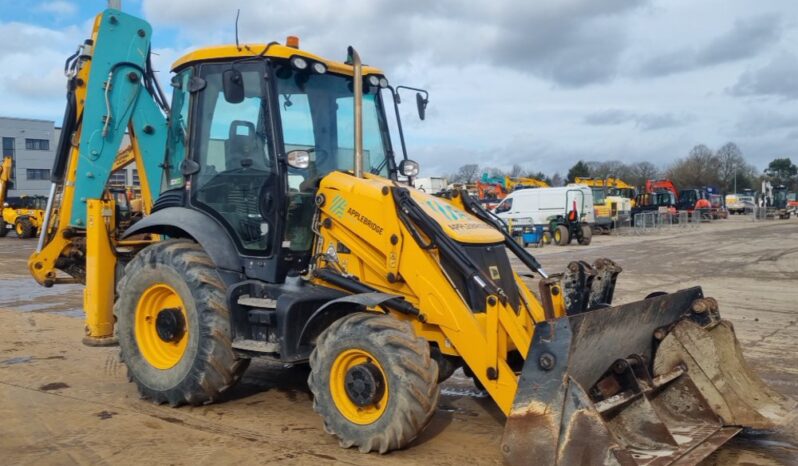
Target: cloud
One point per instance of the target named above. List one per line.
(32, 57)
(776, 79)
(747, 38)
(58, 7)
(644, 121)
(762, 122)
(571, 43)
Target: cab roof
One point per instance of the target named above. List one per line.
(220, 52)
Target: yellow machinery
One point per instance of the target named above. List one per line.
(609, 199)
(520, 183)
(290, 239)
(25, 214)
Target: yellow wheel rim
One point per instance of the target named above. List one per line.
(557, 236)
(338, 380)
(19, 229)
(158, 352)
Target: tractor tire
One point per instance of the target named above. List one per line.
(587, 235)
(546, 238)
(174, 326)
(3, 227)
(373, 382)
(562, 236)
(25, 229)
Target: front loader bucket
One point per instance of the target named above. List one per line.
(587, 394)
(715, 362)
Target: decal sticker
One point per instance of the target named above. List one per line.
(494, 272)
(338, 206)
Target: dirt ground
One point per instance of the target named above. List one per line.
(65, 403)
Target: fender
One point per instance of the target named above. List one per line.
(180, 222)
(337, 308)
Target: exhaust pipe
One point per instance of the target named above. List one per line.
(357, 88)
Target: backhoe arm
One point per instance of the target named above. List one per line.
(111, 90)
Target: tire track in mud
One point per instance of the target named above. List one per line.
(178, 418)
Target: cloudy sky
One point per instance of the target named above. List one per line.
(541, 83)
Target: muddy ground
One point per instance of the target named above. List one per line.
(64, 403)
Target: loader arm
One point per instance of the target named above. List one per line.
(111, 89)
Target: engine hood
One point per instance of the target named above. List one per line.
(457, 223)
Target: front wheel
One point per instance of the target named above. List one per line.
(25, 229)
(587, 235)
(373, 382)
(174, 326)
(561, 235)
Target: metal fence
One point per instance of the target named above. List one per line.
(646, 223)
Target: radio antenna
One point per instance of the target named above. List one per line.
(238, 12)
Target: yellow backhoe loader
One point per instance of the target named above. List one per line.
(22, 214)
(275, 228)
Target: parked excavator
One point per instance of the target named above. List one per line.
(275, 228)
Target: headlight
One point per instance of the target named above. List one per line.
(319, 68)
(408, 168)
(299, 63)
(373, 80)
(298, 159)
(383, 83)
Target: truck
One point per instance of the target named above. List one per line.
(538, 206)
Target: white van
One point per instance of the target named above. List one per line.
(536, 205)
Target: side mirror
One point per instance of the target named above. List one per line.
(233, 86)
(421, 103)
(298, 159)
(408, 168)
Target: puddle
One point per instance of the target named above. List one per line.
(76, 313)
(16, 360)
(473, 393)
(26, 289)
(33, 306)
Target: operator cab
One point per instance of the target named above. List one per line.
(259, 126)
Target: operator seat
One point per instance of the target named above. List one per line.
(238, 187)
(243, 148)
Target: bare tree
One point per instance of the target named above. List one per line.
(735, 172)
(556, 180)
(640, 172)
(468, 173)
(700, 168)
(516, 171)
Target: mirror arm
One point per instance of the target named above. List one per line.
(395, 95)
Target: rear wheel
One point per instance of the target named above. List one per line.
(174, 326)
(587, 235)
(561, 235)
(3, 227)
(373, 382)
(24, 229)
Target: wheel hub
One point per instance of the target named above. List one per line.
(364, 384)
(170, 324)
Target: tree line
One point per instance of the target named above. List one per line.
(725, 169)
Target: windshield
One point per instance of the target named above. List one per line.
(317, 114)
(599, 196)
